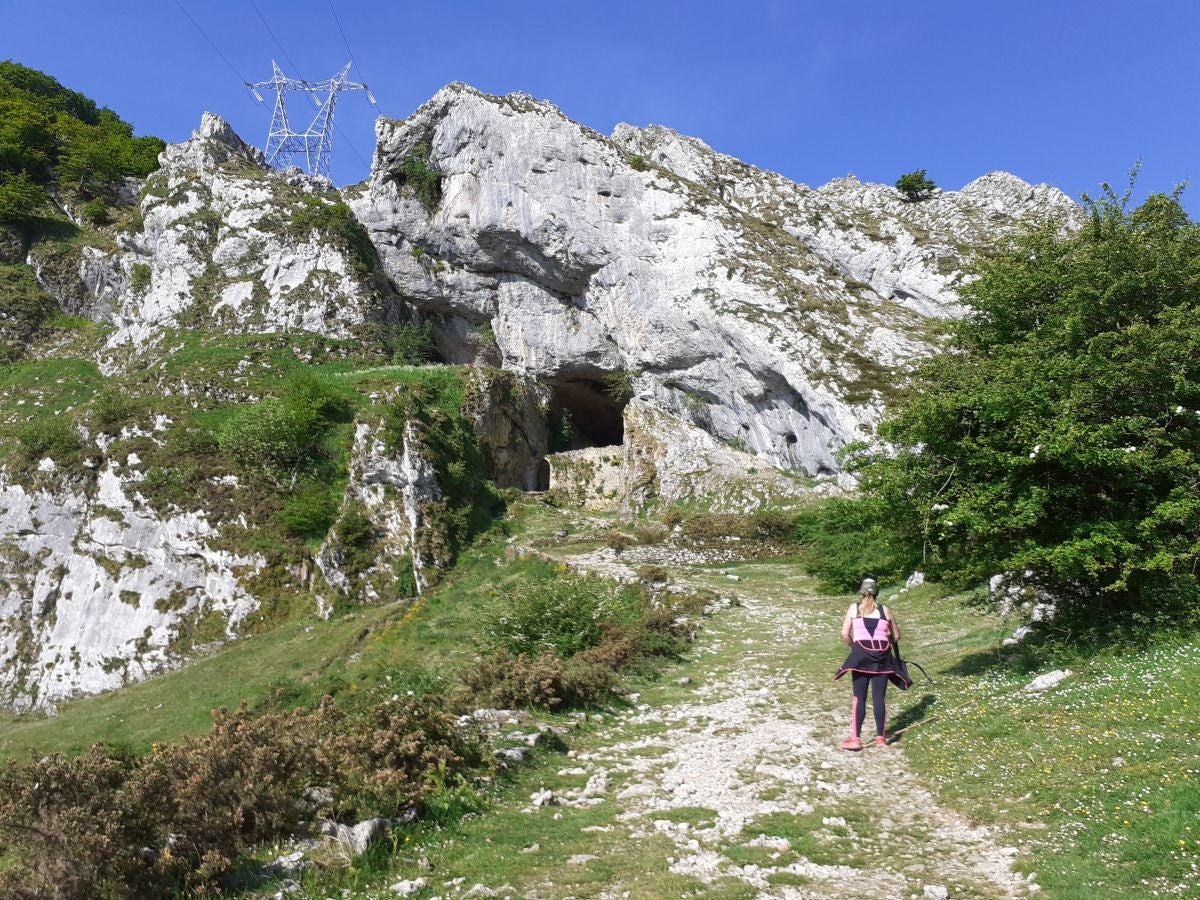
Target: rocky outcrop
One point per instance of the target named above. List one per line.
(225, 242)
(769, 314)
(375, 550)
(96, 589)
(772, 315)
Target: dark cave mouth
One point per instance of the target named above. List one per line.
(584, 413)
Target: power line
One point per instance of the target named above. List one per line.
(232, 67)
(267, 25)
(342, 32)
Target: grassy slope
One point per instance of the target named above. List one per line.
(406, 645)
(1097, 780)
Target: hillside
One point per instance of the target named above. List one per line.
(723, 330)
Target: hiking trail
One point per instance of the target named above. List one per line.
(725, 778)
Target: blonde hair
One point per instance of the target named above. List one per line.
(866, 603)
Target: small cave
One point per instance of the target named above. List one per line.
(583, 413)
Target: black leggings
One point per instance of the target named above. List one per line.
(879, 684)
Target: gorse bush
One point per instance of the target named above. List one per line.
(104, 825)
(617, 630)
(563, 614)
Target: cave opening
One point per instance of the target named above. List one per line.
(583, 413)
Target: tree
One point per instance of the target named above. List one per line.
(915, 186)
(1059, 437)
(21, 200)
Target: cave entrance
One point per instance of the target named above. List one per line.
(584, 413)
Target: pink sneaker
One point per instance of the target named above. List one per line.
(880, 740)
(852, 743)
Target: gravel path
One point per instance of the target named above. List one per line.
(742, 772)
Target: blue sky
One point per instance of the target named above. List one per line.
(1069, 92)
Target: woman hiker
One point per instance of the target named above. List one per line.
(869, 630)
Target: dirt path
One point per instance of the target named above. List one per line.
(722, 779)
(737, 764)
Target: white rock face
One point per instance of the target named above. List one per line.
(394, 490)
(221, 246)
(95, 589)
(768, 313)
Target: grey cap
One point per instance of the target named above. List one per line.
(868, 586)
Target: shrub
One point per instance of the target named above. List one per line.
(95, 212)
(418, 175)
(285, 433)
(501, 679)
(844, 540)
(653, 573)
(111, 407)
(53, 436)
(564, 614)
(411, 345)
(139, 277)
(270, 434)
(619, 385)
(773, 525)
(105, 825)
(618, 540)
(638, 163)
(309, 510)
(1057, 435)
(915, 186)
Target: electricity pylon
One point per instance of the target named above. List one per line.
(315, 143)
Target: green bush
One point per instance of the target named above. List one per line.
(1058, 434)
(272, 434)
(53, 436)
(95, 212)
(333, 218)
(309, 511)
(139, 277)
(411, 345)
(564, 614)
(285, 434)
(638, 163)
(844, 540)
(915, 186)
(416, 173)
(21, 201)
(112, 408)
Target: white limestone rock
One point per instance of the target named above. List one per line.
(96, 589)
(767, 313)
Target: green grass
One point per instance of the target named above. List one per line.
(1098, 779)
(402, 646)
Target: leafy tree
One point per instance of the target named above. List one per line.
(1058, 437)
(21, 200)
(915, 186)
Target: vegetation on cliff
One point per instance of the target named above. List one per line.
(53, 139)
(1056, 438)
